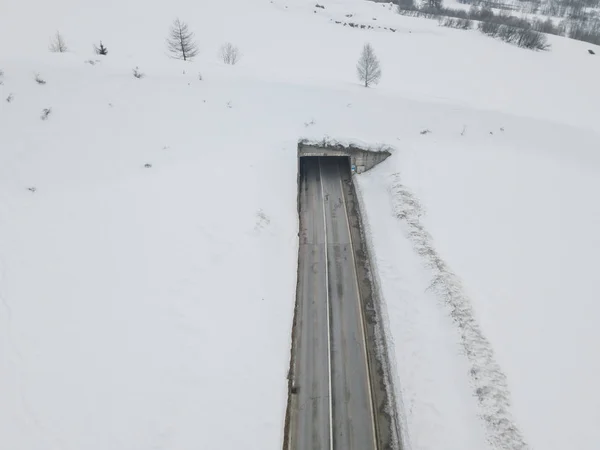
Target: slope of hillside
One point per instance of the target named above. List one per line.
(510, 216)
(148, 226)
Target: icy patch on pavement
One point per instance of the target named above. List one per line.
(489, 382)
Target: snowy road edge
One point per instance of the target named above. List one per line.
(487, 378)
(384, 338)
(286, 433)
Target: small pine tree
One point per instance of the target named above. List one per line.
(181, 43)
(368, 68)
(101, 50)
(137, 74)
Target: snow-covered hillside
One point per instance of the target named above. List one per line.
(148, 226)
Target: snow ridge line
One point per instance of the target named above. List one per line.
(488, 380)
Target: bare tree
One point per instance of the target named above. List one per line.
(57, 43)
(368, 68)
(181, 43)
(230, 53)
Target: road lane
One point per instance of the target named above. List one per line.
(352, 407)
(330, 344)
(312, 428)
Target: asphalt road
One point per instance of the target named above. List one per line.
(332, 406)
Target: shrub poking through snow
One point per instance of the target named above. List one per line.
(530, 39)
(230, 54)
(137, 74)
(489, 28)
(525, 38)
(461, 24)
(46, 113)
(368, 68)
(57, 44)
(39, 80)
(507, 34)
(181, 43)
(10, 98)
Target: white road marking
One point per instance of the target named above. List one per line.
(327, 303)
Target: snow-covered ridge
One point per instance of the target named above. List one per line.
(490, 385)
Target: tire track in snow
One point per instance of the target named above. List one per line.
(488, 379)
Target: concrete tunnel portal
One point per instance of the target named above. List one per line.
(360, 160)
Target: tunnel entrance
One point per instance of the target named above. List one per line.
(359, 160)
(308, 161)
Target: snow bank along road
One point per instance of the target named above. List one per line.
(331, 404)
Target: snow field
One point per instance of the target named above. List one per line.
(152, 307)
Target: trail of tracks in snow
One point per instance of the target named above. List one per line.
(490, 383)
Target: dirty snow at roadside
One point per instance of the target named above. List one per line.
(148, 227)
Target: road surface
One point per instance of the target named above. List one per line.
(331, 404)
